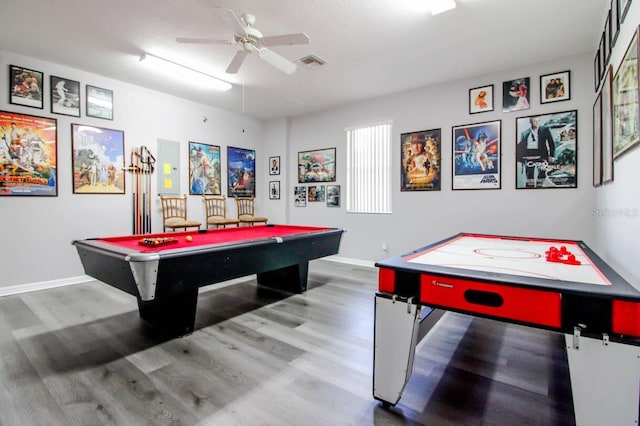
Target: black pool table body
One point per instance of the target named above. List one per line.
(165, 279)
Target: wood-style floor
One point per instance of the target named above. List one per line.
(79, 355)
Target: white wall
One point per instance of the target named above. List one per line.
(617, 203)
(421, 218)
(37, 231)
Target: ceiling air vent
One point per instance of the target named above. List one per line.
(312, 61)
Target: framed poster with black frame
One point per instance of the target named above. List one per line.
(597, 74)
(333, 195)
(241, 170)
(555, 87)
(516, 94)
(476, 159)
(317, 166)
(274, 165)
(607, 127)
(597, 141)
(99, 102)
(28, 169)
(65, 96)
(420, 160)
(623, 8)
(626, 127)
(615, 23)
(274, 190)
(546, 151)
(26, 87)
(481, 99)
(98, 160)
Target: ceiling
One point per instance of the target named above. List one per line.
(371, 47)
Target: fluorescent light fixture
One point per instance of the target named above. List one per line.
(439, 6)
(185, 74)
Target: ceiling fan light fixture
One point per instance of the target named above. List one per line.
(440, 6)
(183, 73)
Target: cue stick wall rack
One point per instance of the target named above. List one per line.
(142, 166)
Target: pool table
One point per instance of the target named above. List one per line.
(164, 271)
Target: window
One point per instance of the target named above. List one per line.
(369, 168)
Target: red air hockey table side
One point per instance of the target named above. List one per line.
(558, 285)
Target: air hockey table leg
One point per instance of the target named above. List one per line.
(605, 380)
(395, 338)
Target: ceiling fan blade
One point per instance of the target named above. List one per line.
(231, 19)
(201, 40)
(285, 39)
(236, 62)
(277, 61)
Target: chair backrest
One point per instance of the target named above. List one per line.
(215, 206)
(245, 206)
(174, 207)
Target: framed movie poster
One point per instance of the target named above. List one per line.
(607, 128)
(274, 165)
(241, 169)
(555, 87)
(420, 154)
(99, 103)
(333, 195)
(98, 160)
(597, 141)
(316, 193)
(205, 176)
(476, 156)
(317, 166)
(481, 99)
(25, 87)
(625, 101)
(300, 196)
(65, 96)
(274, 190)
(515, 95)
(28, 155)
(546, 151)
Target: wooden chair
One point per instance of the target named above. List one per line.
(216, 212)
(174, 213)
(246, 213)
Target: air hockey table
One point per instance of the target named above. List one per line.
(558, 285)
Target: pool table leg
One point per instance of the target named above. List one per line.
(173, 315)
(290, 278)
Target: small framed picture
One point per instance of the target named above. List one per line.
(333, 195)
(316, 193)
(596, 70)
(597, 141)
(623, 8)
(65, 96)
(515, 95)
(300, 196)
(274, 190)
(274, 165)
(555, 87)
(615, 22)
(481, 99)
(99, 103)
(25, 87)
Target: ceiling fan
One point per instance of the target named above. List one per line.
(251, 40)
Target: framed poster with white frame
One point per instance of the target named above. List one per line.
(476, 159)
(555, 87)
(333, 195)
(481, 99)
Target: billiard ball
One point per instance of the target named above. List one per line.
(188, 238)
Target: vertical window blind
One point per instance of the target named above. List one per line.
(369, 168)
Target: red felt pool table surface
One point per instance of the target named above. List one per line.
(210, 237)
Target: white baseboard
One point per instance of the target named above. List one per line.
(43, 285)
